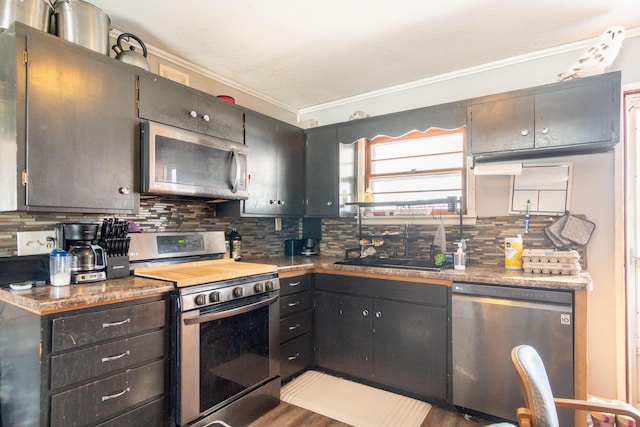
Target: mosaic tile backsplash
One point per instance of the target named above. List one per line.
(484, 246)
(261, 240)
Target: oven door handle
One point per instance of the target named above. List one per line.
(229, 313)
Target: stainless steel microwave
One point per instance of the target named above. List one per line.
(180, 162)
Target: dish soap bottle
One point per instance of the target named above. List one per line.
(235, 244)
(368, 196)
(459, 258)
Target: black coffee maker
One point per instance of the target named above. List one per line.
(88, 262)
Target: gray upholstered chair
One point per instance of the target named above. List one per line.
(540, 405)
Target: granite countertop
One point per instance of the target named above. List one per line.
(474, 273)
(50, 299)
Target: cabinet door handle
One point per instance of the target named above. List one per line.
(205, 117)
(378, 314)
(365, 312)
(193, 114)
(281, 202)
(294, 284)
(236, 162)
(294, 327)
(112, 358)
(122, 322)
(294, 357)
(117, 395)
(544, 131)
(124, 190)
(330, 203)
(293, 304)
(524, 132)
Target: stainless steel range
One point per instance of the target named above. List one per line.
(224, 325)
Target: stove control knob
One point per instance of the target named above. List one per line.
(258, 287)
(201, 299)
(238, 292)
(214, 297)
(269, 285)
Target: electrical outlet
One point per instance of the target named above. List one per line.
(278, 224)
(35, 242)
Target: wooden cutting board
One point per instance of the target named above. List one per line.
(196, 273)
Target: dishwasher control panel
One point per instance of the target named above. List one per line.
(511, 292)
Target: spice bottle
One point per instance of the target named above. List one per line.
(235, 244)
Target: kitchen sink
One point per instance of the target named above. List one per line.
(403, 263)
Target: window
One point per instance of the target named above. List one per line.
(416, 166)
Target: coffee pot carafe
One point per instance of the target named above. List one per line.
(87, 257)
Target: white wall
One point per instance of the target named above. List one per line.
(593, 191)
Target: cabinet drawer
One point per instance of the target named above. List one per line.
(295, 355)
(296, 325)
(295, 284)
(295, 303)
(99, 400)
(101, 359)
(83, 329)
(151, 414)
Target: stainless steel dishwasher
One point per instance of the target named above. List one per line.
(487, 322)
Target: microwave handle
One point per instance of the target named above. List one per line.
(236, 179)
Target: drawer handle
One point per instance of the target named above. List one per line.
(112, 358)
(122, 322)
(294, 327)
(294, 284)
(294, 357)
(293, 304)
(117, 395)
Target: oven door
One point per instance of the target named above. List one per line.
(225, 352)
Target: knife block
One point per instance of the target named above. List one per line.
(117, 266)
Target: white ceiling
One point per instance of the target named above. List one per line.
(302, 53)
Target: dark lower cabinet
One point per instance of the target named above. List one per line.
(102, 366)
(296, 319)
(388, 332)
(409, 345)
(296, 355)
(150, 414)
(344, 333)
(102, 399)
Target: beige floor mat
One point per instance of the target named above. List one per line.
(353, 403)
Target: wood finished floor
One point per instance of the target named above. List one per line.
(287, 415)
